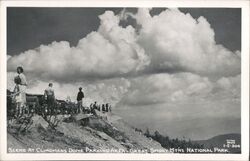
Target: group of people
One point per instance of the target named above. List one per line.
(19, 94)
(49, 96)
(104, 107)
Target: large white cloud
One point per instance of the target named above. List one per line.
(177, 42)
(169, 42)
(111, 51)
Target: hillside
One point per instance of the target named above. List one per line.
(100, 132)
(80, 133)
(220, 140)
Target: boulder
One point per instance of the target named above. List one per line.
(81, 116)
(38, 121)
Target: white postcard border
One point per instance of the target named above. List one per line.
(244, 4)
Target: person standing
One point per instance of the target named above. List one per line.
(103, 108)
(107, 107)
(95, 106)
(20, 90)
(79, 98)
(50, 98)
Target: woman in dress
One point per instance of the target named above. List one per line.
(20, 98)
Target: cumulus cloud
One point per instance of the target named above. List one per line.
(175, 44)
(229, 88)
(181, 87)
(171, 102)
(110, 52)
(105, 91)
(169, 42)
(175, 41)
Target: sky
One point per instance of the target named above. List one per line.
(158, 67)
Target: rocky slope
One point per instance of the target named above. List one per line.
(105, 132)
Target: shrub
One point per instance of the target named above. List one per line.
(166, 142)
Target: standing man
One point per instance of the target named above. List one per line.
(95, 106)
(80, 96)
(50, 98)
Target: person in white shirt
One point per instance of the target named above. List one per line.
(50, 98)
(20, 90)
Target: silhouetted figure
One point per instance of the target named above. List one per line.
(95, 105)
(103, 108)
(107, 107)
(80, 96)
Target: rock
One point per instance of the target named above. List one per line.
(81, 116)
(103, 135)
(101, 114)
(128, 145)
(38, 121)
